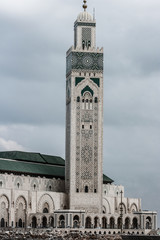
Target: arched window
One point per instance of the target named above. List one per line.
(18, 184)
(112, 223)
(34, 222)
(83, 44)
(52, 222)
(34, 186)
(96, 222)
(86, 189)
(119, 223)
(50, 188)
(62, 221)
(96, 100)
(76, 221)
(148, 223)
(104, 222)
(88, 222)
(2, 222)
(45, 210)
(78, 99)
(44, 222)
(87, 100)
(135, 223)
(104, 209)
(127, 223)
(20, 223)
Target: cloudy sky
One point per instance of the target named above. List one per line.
(35, 35)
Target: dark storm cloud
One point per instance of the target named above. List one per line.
(24, 48)
(133, 101)
(31, 103)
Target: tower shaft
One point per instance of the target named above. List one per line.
(84, 118)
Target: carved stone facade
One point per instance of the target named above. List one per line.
(36, 203)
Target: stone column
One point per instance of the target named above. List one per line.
(55, 221)
(71, 221)
(82, 221)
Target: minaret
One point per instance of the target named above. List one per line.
(84, 117)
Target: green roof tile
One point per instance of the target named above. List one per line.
(32, 168)
(32, 157)
(107, 179)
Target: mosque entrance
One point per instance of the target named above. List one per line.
(88, 222)
(2, 222)
(20, 224)
(44, 222)
(34, 222)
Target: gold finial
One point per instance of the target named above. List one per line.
(85, 5)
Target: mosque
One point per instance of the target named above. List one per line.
(41, 191)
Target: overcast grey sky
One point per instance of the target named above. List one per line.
(35, 35)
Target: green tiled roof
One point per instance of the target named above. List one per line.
(107, 179)
(35, 164)
(32, 157)
(33, 169)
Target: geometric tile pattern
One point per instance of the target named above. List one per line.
(86, 35)
(84, 61)
(86, 143)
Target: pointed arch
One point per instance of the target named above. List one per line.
(112, 223)
(4, 210)
(87, 89)
(104, 222)
(21, 199)
(20, 214)
(4, 198)
(76, 221)
(96, 222)
(46, 200)
(106, 206)
(135, 223)
(88, 222)
(34, 222)
(148, 222)
(35, 184)
(2, 181)
(133, 208)
(124, 208)
(127, 223)
(50, 186)
(18, 183)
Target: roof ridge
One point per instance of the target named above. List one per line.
(42, 157)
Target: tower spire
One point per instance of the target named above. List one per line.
(85, 5)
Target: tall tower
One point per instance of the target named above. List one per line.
(84, 117)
